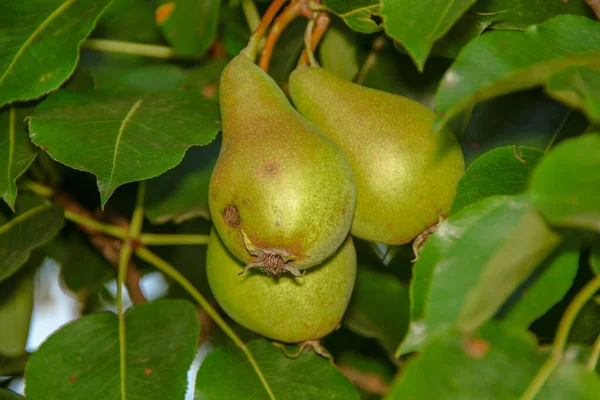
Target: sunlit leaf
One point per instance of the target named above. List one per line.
(357, 14)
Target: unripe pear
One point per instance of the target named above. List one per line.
(288, 309)
(406, 176)
(282, 193)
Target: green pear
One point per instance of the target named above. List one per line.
(282, 193)
(406, 176)
(287, 309)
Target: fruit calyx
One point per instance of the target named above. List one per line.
(272, 262)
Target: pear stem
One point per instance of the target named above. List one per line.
(252, 47)
(321, 25)
(308, 41)
(290, 13)
(251, 14)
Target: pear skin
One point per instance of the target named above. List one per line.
(406, 177)
(282, 193)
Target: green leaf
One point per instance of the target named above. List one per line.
(547, 286)
(227, 374)
(27, 230)
(417, 24)
(565, 186)
(181, 194)
(16, 151)
(519, 14)
(189, 25)
(379, 307)
(146, 79)
(84, 355)
(136, 15)
(16, 305)
(502, 171)
(586, 327)
(357, 13)
(126, 138)
(337, 51)
(571, 381)
(513, 64)
(40, 44)
(453, 366)
(578, 87)
(9, 395)
(462, 280)
(595, 255)
(467, 28)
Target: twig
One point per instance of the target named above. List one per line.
(138, 49)
(560, 340)
(252, 47)
(293, 10)
(593, 360)
(308, 41)
(251, 14)
(366, 381)
(153, 239)
(378, 45)
(595, 4)
(321, 25)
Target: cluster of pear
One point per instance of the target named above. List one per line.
(291, 184)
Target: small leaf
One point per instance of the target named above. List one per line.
(26, 231)
(84, 355)
(40, 44)
(227, 374)
(189, 25)
(337, 51)
(565, 186)
(502, 171)
(16, 151)
(471, 366)
(514, 65)
(6, 394)
(463, 280)
(578, 87)
(357, 14)
(181, 194)
(519, 14)
(119, 138)
(379, 307)
(417, 24)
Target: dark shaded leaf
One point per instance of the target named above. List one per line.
(379, 307)
(565, 186)
(40, 44)
(29, 228)
(309, 375)
(578, 87)
(502, 171)
(142, 80)
(122, 139)
(417, 24)
(9, 395)
(189, 25)
(136, 15)
(512, 63)
(467, 28)
(16, 151)
(84, 355)
(595, 255)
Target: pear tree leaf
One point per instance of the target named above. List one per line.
(122, 139)
(471, 366)
(578, 87)
(512, 64)
(189, 25)
(6, 394)
(519, 14)
(501, 171)
(467, 28)
(81, 360)
(357, 14)
(27, 230)
(181, 193)
(40, 44)
(137, 15)
(16, 151)
(417, 24)
(462, 280)
(571, 380)
(379, 307)
(564, 186)
(227, 374)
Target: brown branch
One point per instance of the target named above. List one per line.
(366, 381)
(295, 9)
(109, 247)
(595, 4)
(321, 25)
